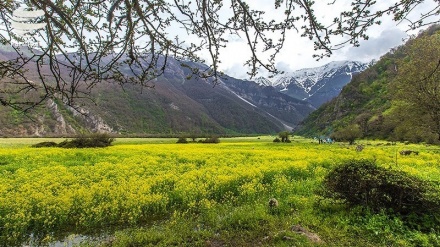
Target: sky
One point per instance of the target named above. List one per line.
(297, 52)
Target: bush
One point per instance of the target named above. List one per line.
(93, 141)
(284, 135)
(45, 144)
(182, 140)
(363, 183)
(276, 139)
(210, 140)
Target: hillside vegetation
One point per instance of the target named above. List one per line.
(168, 109)
(175, 103)
(396, 99)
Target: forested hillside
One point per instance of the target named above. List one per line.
(398, 98)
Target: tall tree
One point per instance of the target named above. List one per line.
(81, 43)
(284, 135)
(418, 79)
(349, 134)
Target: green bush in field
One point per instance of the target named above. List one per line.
(182, 140)
(45, 145)
(93, 141)
(363, 183)
(213, 139)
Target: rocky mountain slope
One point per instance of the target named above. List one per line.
(315, 85)
(175, 105)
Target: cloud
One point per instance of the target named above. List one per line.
(376, 46)
(236, 70)
(283, 66)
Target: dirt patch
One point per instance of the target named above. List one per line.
(313, 237)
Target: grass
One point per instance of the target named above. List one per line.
(153, 192)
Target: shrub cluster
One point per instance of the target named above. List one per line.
(213, 139)
(182, 140)
(45, 145)
(92, 141)
(363, 183)
(206, 140)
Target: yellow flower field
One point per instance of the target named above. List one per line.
(47, 192)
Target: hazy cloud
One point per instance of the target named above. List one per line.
(236, 70)
(283, 66)
(377, 46)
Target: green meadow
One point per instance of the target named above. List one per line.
(241, 192)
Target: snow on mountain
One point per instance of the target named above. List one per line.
(314, 82)
(307, 78)
(263, 81)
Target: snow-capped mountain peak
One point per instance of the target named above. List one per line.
(307, 78)
(304, 83)
(263, 81)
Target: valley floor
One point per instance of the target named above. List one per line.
(240, 192)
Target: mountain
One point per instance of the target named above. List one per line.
(175, 105)
(315, 85)
(384, 101)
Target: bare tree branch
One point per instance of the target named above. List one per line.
(85, 43)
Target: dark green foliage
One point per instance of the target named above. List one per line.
(193, 136)
(284, 135)
(182, 140)
(417, 82)
(93, 141)
(276, 139)
(363, 183)
(349, 134)
(45, 144)
(213, 139)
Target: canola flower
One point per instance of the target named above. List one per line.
(49, 191)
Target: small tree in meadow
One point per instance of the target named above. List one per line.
(193, 136)
(182, 140)
(348, 134)
(284, 135)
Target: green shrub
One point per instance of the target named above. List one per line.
(284, 135)
(276, 139)
(210, 140)
(363, 183)
(92, 141)
(182, 140)
(45, 144)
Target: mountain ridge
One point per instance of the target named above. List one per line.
(316, 85)
(177, 104)
(183, 104)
